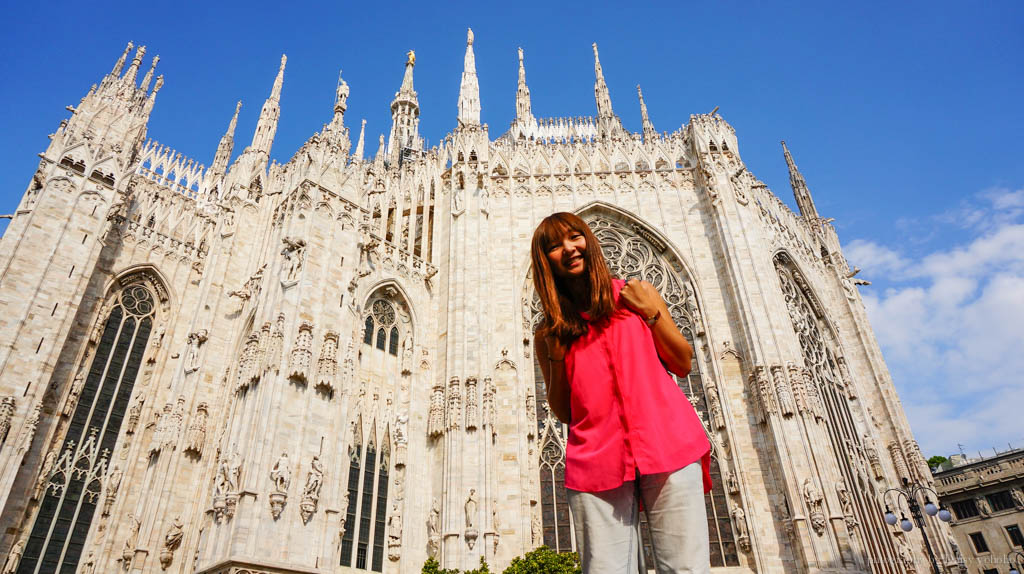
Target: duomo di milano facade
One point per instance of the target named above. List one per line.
(325, 366)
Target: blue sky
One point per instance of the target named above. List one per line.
(904, 117)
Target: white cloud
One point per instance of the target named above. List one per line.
(951, 325)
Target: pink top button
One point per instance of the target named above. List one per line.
(627, 412)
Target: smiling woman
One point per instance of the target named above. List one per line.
(634, 437)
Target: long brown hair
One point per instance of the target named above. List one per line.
(561, 314)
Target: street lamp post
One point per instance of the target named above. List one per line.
(910, 492)
(1016, 561)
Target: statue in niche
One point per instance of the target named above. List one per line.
(311, 492)
(294, 255)
(281, 474)
(739, 520)
(394, 532)
(434, 529)
(1018, 497)
(76, 391)
(846, 502)
(983, 506)
(128, 551)
(407, 348)
(471, 504)
(813, 498)
(44, 475)
(113, 484)
(133, 414)
(174, 534)
(11, 564)
(195, 340)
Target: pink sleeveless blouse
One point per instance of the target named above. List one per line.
(627, 412)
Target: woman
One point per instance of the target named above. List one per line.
(634, 438)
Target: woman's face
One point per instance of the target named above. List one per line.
(566, 256)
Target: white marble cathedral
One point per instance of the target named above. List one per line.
(325, 366)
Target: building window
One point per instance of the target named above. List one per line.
(73, 489)
(979, 542)
(965, 509)
(990, 571)
(365, 516)
(1000, 500)
(1015, 536)
(380, 327)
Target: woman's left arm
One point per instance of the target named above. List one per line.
(674, 350)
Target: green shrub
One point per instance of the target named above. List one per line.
(543, 560)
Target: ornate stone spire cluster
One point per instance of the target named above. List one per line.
(800, 190)
(263, 139)
(469, 90)
(360, 144)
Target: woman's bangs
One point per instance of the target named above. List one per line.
(554, 228)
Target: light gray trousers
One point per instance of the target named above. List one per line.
(607, 524)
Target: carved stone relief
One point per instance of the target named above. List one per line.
(302, 354)
(453, 413)
(195, 437)
(472, 411)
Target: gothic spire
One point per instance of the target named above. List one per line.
(149, 75)
(227, 144)
(604, 99)
(405, 114)
(524, 111)
(359, 145)
(649, 133)
(799, 185)
(469, 91)
(119, 65)
(128, 82)
(263, 139)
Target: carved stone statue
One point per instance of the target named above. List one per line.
(434, 528)
(76, 391)
(195, 340)
(134, 413)
(394, 532)
(311, 492)
(407, 348)
(536, 530)
(113, 483)
(6, 414)
(172, 540)
(11, 564)
(983, 506)
(1018, 497)
(281, 474)
(846, 502)
(814, 501)
(471, 504)
(44, 475)
(905, 554)
(294, 255)
(739, 521)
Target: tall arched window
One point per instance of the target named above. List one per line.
(386, 325)
(66, 510)
(821, 352)
(362, 543)
(632, 252)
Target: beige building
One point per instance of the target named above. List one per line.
(319, 367)
(986, 497)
